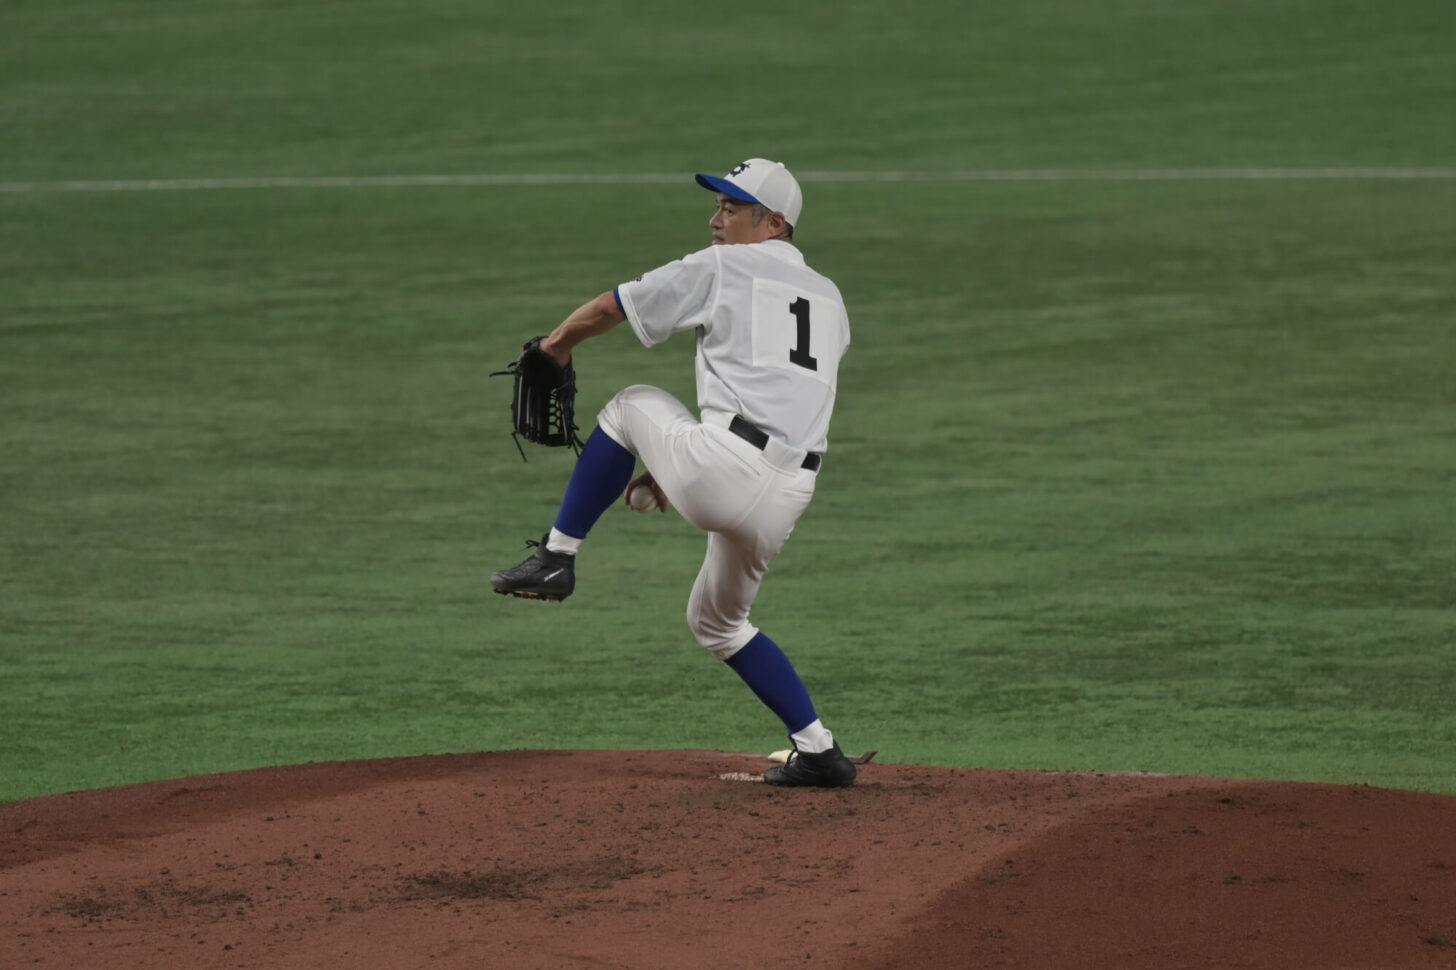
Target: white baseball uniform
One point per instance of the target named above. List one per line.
(770, 335)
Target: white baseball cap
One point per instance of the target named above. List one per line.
(762, 181)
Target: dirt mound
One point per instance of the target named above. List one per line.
(663, 860)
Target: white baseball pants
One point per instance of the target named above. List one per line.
(747, 501)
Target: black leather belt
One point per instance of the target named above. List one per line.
(759, 439)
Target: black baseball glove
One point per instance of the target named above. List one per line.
(543, 403)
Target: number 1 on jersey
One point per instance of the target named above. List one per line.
(798, 331)
(800, 353)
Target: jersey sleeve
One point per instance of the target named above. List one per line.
(672, 298)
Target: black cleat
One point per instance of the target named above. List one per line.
(831, 769)
(546, 575)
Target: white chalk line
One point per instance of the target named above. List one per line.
(668, 178)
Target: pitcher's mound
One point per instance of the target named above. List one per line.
(672, 860)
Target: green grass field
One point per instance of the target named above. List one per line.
(1128, 472)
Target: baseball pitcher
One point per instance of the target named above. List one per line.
(770, 334)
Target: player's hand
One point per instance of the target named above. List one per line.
(553, 350)
(645, 480)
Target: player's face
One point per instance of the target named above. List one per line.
(732, 222)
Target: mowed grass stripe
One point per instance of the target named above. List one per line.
(666, 178)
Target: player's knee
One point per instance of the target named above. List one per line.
(719, 638)
(611, 418)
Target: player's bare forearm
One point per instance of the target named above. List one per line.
(591, 319)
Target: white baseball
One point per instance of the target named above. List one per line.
(641, 499)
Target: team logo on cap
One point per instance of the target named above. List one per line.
(742, 167)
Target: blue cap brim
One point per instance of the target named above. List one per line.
(715, 184)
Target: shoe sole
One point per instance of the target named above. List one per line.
(526, 594)
(808, 784)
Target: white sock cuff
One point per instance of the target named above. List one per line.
(559, 541)
(813, 738)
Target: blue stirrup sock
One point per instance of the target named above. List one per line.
(602, 472)
(769, 674)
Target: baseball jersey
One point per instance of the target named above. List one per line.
(770, 333)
